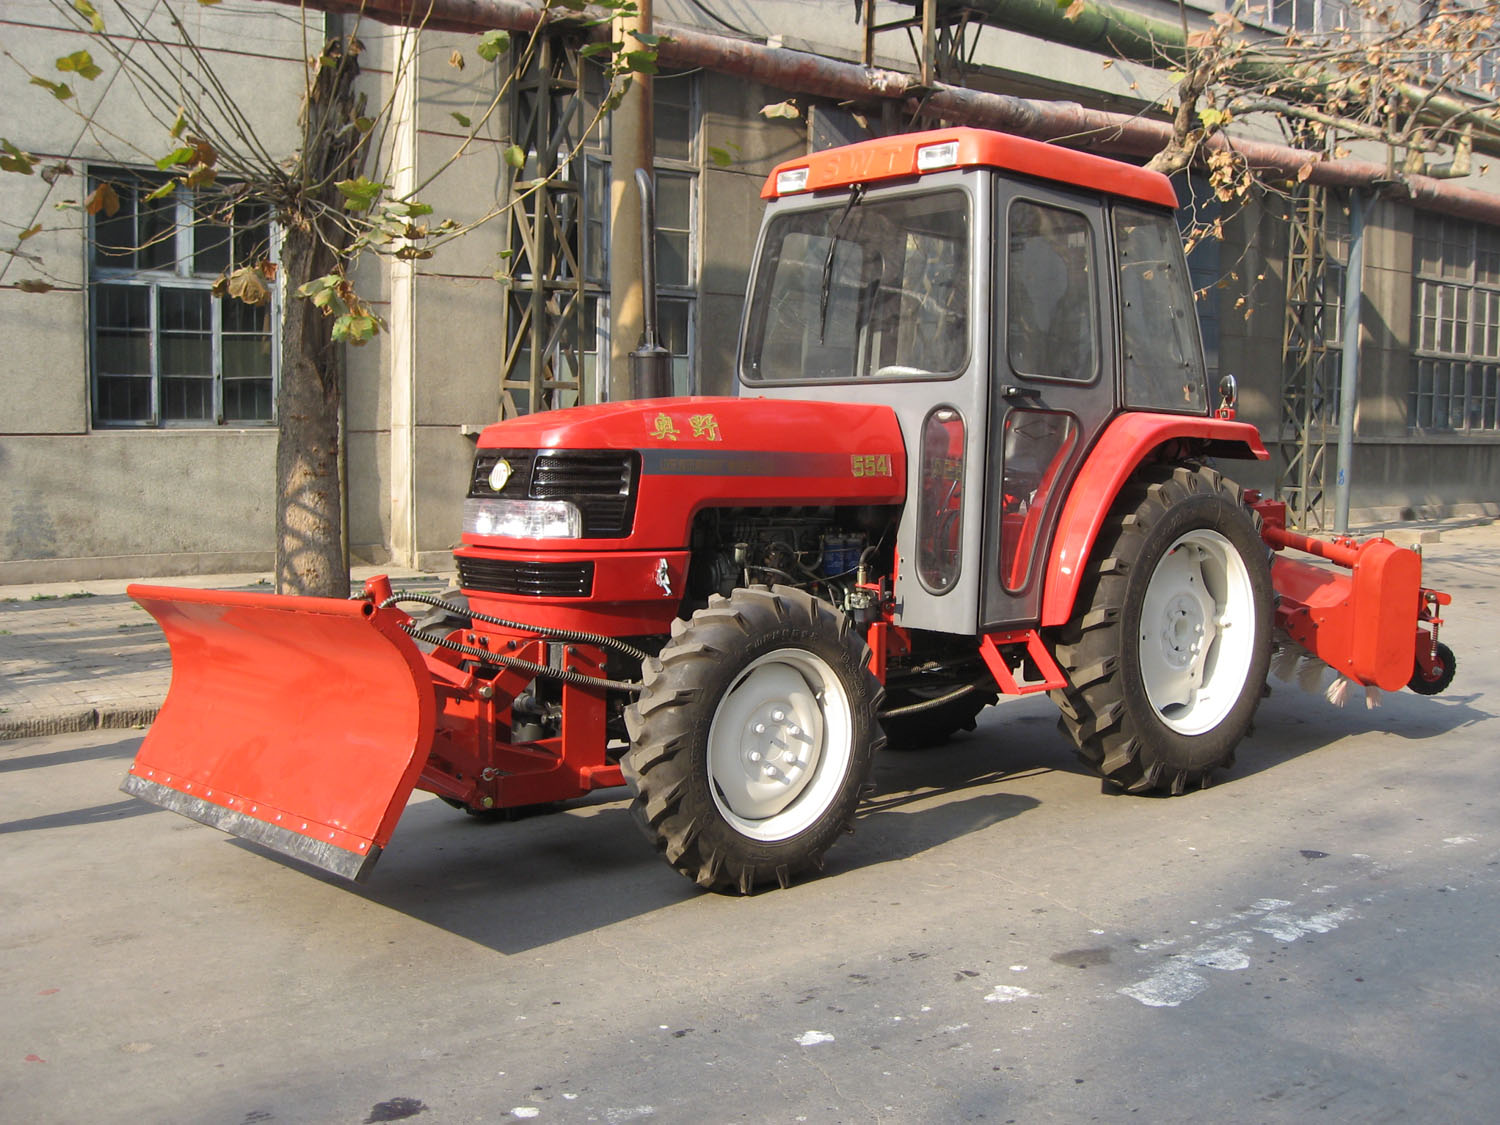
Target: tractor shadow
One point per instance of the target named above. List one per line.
(1293, 723)
(925, 798)
(526, 884)
(513, 886)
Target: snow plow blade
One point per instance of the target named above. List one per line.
(301, 724)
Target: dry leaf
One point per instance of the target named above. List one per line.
(245, 285)
(102, 198)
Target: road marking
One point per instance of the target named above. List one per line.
(1176, 980)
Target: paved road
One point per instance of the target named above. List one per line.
(999, 942)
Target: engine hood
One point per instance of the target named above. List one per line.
(720, 452)
(706, 422)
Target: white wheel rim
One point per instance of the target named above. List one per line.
(780, 745)
(1197, 632)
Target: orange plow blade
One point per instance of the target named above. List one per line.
(301, 724)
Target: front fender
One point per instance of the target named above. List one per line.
(1124, 446)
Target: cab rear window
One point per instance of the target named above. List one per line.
(1163, 357)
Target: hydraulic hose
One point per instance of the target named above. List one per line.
(577, 679)
(929, 704)
(541, 630)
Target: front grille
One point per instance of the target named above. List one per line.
(527, 579)
(515, 488)
(600, 483)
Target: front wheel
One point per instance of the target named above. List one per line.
(1169, 647)
(753, 738)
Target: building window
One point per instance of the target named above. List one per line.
(674, 325)
(675, 120)
(1303, 15)
(165, 351)
(1472, 63)
(1456, 326)
(1335, 263)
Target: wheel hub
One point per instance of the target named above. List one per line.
(1196, 628)
(1185, 632)
(767, 741)
(775, 746)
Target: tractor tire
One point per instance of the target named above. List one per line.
(753, 739)
(1423, 684)
(922, 730)
(1167, 652)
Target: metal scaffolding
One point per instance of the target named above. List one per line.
(944, 51)
(1307, 399)
(544, 319)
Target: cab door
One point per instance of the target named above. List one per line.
(1052, 381)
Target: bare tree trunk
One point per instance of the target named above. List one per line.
(309, 506)
(310, 547)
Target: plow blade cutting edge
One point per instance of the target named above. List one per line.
(301, 724)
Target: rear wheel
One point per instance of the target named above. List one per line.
(1171, 640)
(753, 738)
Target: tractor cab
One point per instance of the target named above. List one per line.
(1007, 299)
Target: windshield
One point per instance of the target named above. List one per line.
(862, 288)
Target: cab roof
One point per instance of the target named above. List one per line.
(888, 158)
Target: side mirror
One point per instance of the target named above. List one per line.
(1229, 393)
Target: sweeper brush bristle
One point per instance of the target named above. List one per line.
(1310, 672)
(1284, 661)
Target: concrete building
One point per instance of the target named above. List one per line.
(137, 432)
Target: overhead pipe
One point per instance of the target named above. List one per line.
(801, 73)
(1123, 34)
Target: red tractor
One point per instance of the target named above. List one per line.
(973, 454)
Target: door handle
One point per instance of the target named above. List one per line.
(1011, 390)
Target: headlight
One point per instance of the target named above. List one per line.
(523, 519)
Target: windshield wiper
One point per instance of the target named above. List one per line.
(855, 194)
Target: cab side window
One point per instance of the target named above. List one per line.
(1052, 316)
(1163, 353)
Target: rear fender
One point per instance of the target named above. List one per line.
(1127, 443)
